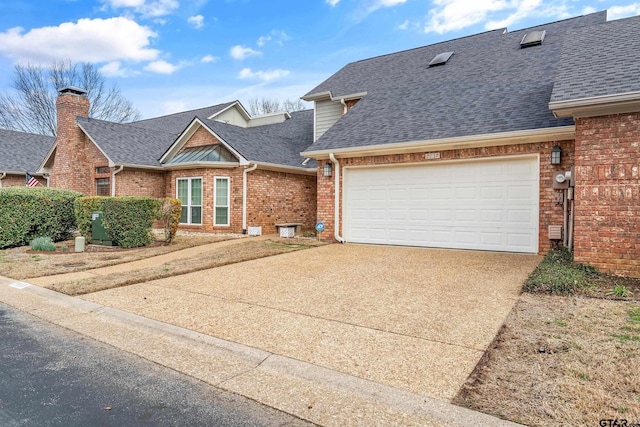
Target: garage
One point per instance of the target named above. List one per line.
(479, 204)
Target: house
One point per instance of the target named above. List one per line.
(450, 145)
(21, 153)
(230, 170)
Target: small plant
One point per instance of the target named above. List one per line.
(556, 274)
(620, 291)
(44, 244)
(634, 314)
(64, 248)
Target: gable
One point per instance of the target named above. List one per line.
(200, 137)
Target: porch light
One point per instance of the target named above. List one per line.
(556, 155)
(328, 169)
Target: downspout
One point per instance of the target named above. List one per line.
(2, 176)
(336, 203)
(113, 180)
(244, 196)
(344, 105)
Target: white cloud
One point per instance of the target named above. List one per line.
(162, 67)
(524, 9)
(404, 25)
(209, 58)
(265, 76)
(617, 12)
(242, 52)
(332, 3)
(115, 69)
(263, 40)
(451, 15)
(90, 40)
(149, 8)
(276, 36)
(197, 21)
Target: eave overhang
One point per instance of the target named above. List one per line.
(11, 172)
(283, 168)
(560, 133)
(200, 165)
(597, 105)
(323, 96)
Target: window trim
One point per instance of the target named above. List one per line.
(189, 179)
(215, 201)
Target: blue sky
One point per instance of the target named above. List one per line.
(174, 55)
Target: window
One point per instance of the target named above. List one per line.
(102, 169)
(221, 202)
(103, 187)
(189, 192)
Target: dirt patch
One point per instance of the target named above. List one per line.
(22, 263)
(561, 360)
(216, 257)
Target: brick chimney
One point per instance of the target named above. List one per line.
(70, 169)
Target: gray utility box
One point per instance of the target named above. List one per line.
(99, 234)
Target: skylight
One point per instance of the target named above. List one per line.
(440, 59)
(206, 153)
(533, 38)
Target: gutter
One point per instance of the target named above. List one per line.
(113, 180)
(336, 203)
(244, 196)
(2, 176)
(47, 176)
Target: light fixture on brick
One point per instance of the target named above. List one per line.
(328, 169)
(556, 155)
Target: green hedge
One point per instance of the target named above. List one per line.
(128, 220)
(27, 213)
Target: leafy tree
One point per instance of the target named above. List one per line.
(271, 105)
(32, 108)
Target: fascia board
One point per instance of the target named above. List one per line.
(597, 105)
(284, 168)
(200, 165)
(242, 110)
(472, 141)
(323, 96)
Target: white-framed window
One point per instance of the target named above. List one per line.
(221, 200)
(189, 192)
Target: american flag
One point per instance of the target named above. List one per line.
(31, 181)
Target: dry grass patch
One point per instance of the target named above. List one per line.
(216, 257)
(20, 263)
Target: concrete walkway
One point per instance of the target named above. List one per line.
(326, 334)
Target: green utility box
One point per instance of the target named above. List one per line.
(99, 234)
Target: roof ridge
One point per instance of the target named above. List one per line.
(131, 124)
(26, 133)
(186, 111)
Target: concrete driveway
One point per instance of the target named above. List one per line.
(411, 318)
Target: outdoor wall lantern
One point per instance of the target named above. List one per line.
(328, 169)
(556, 155)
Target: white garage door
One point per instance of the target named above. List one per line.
(485, 205)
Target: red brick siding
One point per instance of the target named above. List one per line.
(277, 197)
(607, 229)
(131, 182)
(549, 212)
(72, 162)
(201, 137)
(19, 181)
(351, 103)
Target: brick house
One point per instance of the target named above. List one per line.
(230, 170)
(450, 145)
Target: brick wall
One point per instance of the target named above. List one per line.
(550, 212)
(201, 137)
(278, 197)
(19, 181)
(607, 230)
(130, 182)
(71, 166)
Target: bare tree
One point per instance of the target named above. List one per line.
(33, 106)
(270, 105)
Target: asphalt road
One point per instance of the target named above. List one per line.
(50, 376)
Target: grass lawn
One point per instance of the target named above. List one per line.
(568, 354)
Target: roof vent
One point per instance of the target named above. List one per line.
(440, 59)
(534, 38)
(72, 90)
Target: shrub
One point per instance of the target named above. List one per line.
(170, 214)
(83, 208)
(27, 213)
(43, 244)
(129, 220)
(557, 274)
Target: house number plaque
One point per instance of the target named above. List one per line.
(432, 156)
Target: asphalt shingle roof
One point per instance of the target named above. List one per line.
(600, 60)
(177, 122)
(21, 151)
(489, 85)
(279, 143)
